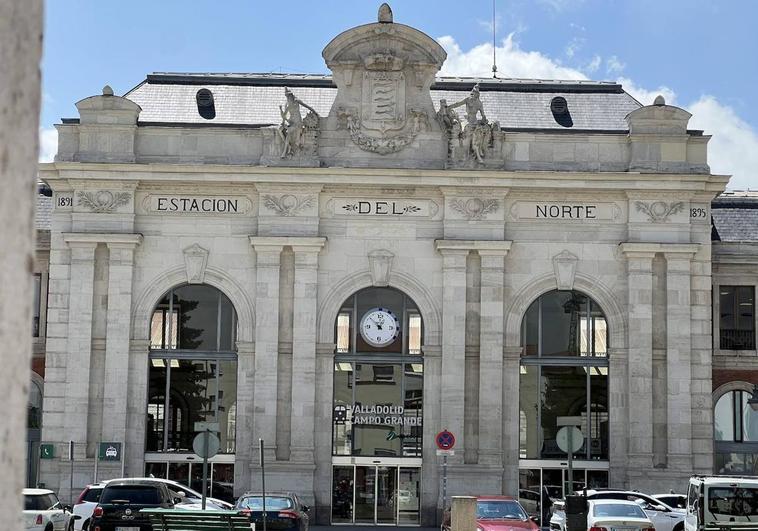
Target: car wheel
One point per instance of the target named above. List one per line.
(85, 526)
(679, 527)
(49, 527)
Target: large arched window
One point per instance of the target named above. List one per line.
(193, 369)
(564, 373)
(735, 433)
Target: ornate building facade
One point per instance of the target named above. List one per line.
(344, 266)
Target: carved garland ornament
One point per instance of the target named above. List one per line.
(659, 211)
(287, 205)
(475, 209)
(103, 201)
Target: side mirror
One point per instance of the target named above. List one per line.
(660, 508)
(177, 500)
(66, 508)
(534, 519)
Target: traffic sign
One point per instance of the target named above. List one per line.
(109, 451)
(445, 440)
(562, 439)
(203, 449)
(46, 451)
(445, 452)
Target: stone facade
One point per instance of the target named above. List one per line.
(378, 199)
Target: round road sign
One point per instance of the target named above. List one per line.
(577, 439)
(198, 444)
(445, 440)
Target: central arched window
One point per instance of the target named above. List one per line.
(193, 369)
(735, 433)
(564, 373)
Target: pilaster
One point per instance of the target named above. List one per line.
(511, 417)
(246, 442)
(454, 255)
(491, 354)
(304, 349)
(136, 419)
(120, 273)
(679, 356)
(640, 362)
(79, 345)
(268, 257)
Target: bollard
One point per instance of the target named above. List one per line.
(463, 514)
(576, 513)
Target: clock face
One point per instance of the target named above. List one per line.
(379, 327)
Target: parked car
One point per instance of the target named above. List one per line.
(498, 513)
(283, 511)
(605, 515)
(725, 502)
(664, 518)
(122, 500)
(44, 512)
(86, 504)
(676, 501)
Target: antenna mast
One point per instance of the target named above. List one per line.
(494, 45)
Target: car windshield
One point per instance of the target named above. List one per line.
(92, 495)
(622, 510)
(505, 509)
(40, 502)
(275, 503)
(733, 501)
(135, 494)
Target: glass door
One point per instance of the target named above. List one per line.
(386, 495)
(365, 494)
(409, 496)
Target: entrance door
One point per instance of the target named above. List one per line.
(376, 495)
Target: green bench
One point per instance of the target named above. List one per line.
(178, 520)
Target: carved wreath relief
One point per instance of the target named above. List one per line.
(475, 209)
(103, 201)
(287, 205)
(659, 211)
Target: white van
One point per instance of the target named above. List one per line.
(716, 503)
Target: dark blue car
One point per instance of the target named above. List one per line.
(283, 511)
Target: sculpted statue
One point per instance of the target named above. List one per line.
(292, 129)
(473, 106)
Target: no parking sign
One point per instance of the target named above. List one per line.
(445, 440)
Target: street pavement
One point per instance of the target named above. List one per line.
(367, 528)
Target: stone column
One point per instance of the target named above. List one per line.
(136, 407)
(120, 272)
(245, 442)
(304, 348)
(640, 367)
(79, 346)
(268, 254)
(454, 255)
(678, 357)
(618, 411)
(491, 355)
(511, 418)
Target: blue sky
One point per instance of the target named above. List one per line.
(702, 55)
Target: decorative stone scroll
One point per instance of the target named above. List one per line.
(659, 211)
(195, 262)
(103, 201)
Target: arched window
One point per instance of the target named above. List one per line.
(34, 407)
(564, 373)
(193, 368)
(735, 433)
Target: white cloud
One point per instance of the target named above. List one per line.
(574, 46)
(512, 62)
(48, 143)
(613, 65)
(645, 96)
(733, 150)
(560, 5)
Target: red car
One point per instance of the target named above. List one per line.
(498, 513)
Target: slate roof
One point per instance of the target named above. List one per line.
(735, 217)
(253, 99)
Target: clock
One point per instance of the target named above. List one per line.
(379, 327)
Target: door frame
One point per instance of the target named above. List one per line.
(373, 462)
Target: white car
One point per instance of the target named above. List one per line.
(605, 515)
(85, 505)
(44, 512)
(677, 501)
(664, 518)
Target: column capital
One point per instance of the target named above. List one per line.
(639, 251)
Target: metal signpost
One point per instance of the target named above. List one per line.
(263, 481)
(569, 439)
(445, 442)
(205, 445)
(71, 477)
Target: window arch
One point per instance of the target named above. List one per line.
(193, 368)
(735, 432)
(564, 372)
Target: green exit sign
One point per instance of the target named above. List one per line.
(46, 451)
